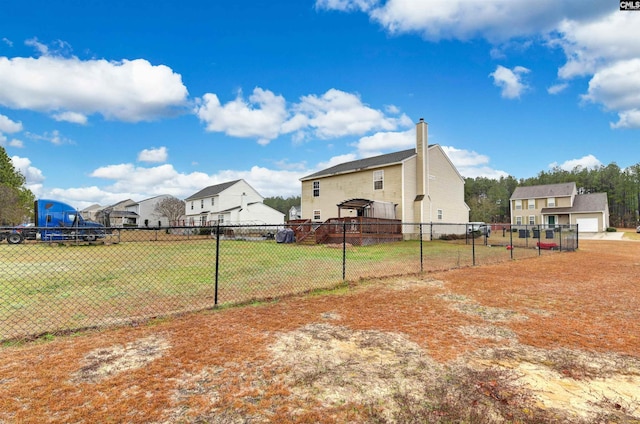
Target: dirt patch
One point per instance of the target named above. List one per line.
(109, 361)
(337, 365)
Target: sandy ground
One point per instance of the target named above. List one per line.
(549, 339)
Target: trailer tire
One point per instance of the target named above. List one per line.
(15, 238)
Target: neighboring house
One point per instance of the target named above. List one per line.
(117, 215)
(418, 185)
(146, 214)
(89, 213)
(295, 212)
(233, 202)
(554, 205)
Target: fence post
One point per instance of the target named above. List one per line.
(539, 240)
(560, 236)
(215, 301)
(473, 247)
(421, 266)
(344, 250)
(511, 242)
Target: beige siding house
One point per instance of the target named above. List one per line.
(552, 205)
(418, 185)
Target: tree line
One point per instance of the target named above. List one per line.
(488, 198)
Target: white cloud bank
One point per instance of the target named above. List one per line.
(72, 89)
(266, 116)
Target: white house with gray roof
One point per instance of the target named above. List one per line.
(420, 184)
(552, 205)
(232, 203)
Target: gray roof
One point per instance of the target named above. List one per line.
(547, 190)
(212, 190)
(356, 165)
(594, 202)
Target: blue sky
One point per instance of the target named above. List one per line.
(104, 101)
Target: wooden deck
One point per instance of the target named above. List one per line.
(358, 231)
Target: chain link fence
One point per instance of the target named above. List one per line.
(132, 275)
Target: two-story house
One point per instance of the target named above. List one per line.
(552, 205)
(145, 212)
(418, 185)
(232, 203)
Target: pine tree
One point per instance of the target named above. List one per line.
(16, 201)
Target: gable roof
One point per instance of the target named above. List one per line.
(593, 202)
(357, 165)
(212, 190)
(547, 190)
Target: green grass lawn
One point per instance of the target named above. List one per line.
(48, 288)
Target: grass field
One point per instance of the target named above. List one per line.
(551, 339)
(56, 287)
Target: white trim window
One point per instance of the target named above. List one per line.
(440, 214)
(531, 203)
(316, 215)
(201, 203)
(316, 189)
(378, 180)
(192, 205)
(213, 201)
(518, 204)
(532, 220)
(518, 220)
(221, 219)
(551, 202)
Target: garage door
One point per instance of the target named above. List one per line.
(587, 225)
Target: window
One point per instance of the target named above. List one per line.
(518, 220)
(440, 214)
(213, 201)
(532, 204)
(316, 189)
(191, 205)
(532, 220)
(221, 219)
(551, 202)
(201, 203)
(203, 220)
(378, 180)
(518, 204)
(316, 215)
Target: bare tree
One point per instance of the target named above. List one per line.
(171, 208)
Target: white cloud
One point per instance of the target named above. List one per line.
(9, 126)
(382, 142)
(31, 174)
(129, 90)
(337, 113)
(495, 20)
(471, 164)
(618, 88)
(510, 81)
(7, 41)
(557, 88)
(73, 117)
(54, 137)
(261, 117)
(587, 162)
(153, 155)
(265, 116)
